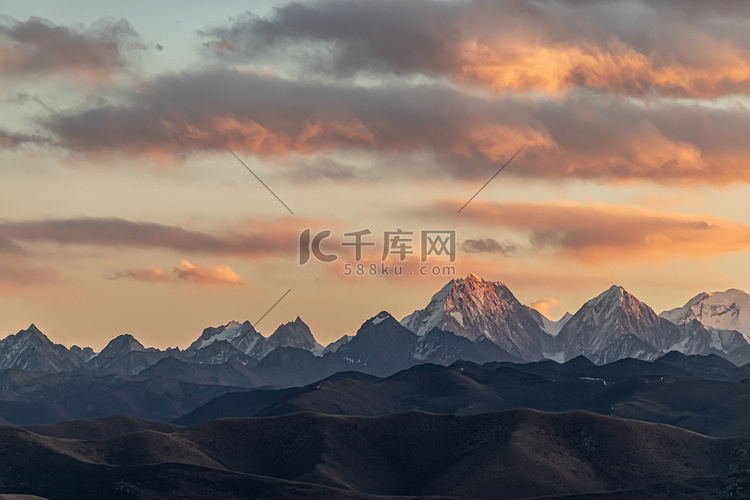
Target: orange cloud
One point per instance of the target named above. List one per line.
(545, 306)
(579, 137)
(18, 275)
(605, 233)
(201, 275)
(618, 68)
(676, 49)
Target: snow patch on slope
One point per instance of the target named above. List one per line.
(729, 310)
(229, 333)
(554, 327)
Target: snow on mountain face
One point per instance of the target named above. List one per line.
(472, 307)
(241, 336)
(334, 346)
(554, 327)
(549, 326)
(218, 352)
(227, 332)
(616, 325)
(296, 334)
(244, 338)
(126, 356)
(422, 321)
(728, 310)
(31, 350)
(85, 353)
(610, 326)
(382, 316)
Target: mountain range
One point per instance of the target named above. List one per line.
(475, 396)
(704, 394)
(469, 319)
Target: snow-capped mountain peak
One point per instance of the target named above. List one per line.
(729, 310)
(229, 332)
(381, 316)
(616, 325)
(244, 338)
(463, 299)
(473, 307)
(612, 305)
(422, 321)
(614, 295)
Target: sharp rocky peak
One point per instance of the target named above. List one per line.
(233, 331)
(124, 342)
(615, 296)
(473, 307)
(473, 281)
(474, 296)
(293, 334)
(31, 332)
(615, 292)
(23, 340)
(380, 317)
(32, 329)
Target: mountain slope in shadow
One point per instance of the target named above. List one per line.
(514, 454)
(630, 388)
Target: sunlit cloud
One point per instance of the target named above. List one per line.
(201, 275)
(583, 136)
(184, 272)
(701, 51)
(545, 306)
(606, 233)
(183, 114)
(20, 275)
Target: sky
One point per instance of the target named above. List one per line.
(161, 162)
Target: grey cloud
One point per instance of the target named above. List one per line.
(190, 112)
(486, 245)
(8, 246)
(381, 36)
(433, 37)
(121, 232)
(584, 136)
(11, 140)
(37, 46)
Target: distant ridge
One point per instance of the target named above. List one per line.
(468, 318)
